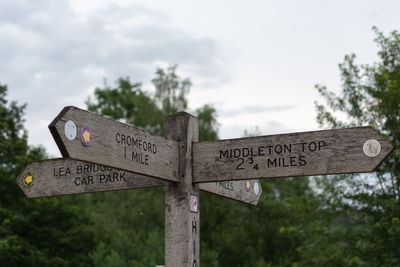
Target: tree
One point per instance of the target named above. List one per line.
(129, 103)
(232, 234)
(33, 232)
(171, 90)
(131, 223)
(363, 211)
(269, 234)
(208, 125)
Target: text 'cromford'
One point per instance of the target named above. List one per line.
(136, 143)
(145, 148)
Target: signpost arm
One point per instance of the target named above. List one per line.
(182, 213)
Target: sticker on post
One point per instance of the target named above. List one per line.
(86, 136)
(372, 148)
(256, 188)
(28, 179)
(70, 130)
(248, 186)
(194, 205)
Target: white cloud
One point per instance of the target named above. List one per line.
(255, 61)
(253, 110)
(55, 41)
(52, 55)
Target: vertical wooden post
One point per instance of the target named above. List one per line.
(182, 213)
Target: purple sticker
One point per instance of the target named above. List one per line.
(248, 186)
(86, 136)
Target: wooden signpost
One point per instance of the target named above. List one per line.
(246, 191)
(350, 150)
(86, 136)
(101, 154)
(66, 176)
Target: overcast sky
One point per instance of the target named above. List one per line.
(256, 61)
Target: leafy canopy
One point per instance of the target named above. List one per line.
(362, 222)
(34, 232)
(129, 103)
(232, 234)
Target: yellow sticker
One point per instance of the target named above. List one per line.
(28, 179)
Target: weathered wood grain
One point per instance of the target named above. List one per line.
(65, 176)
(243, 191)
(182, 226)
(185, 166)
(336, 151)
(116, 144)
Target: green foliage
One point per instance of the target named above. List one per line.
(128, 103)
(252, 132)
(171, 90)
(338, 221)
(362, 211)
(33, 232)
(235, 234)
(208, 125)
(129, 225)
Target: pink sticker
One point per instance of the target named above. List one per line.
(194, 207)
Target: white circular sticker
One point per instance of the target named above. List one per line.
(70, 130)
(372, 148)
(256, 188)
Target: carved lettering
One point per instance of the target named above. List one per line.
(140, 158)
(59, 172)
(226, 185)
(84, 180)
(286, 162)
(112, 177)
(131, 141)
(258, 151)
(276, 155)
(91, 168)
